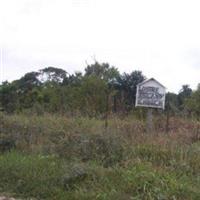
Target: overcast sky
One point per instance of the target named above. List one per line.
(159, 37)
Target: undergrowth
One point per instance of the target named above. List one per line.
(77, 158)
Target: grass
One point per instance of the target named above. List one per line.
(44, 178)
(76, 158)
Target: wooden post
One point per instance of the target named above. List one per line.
(149, 121)
(107, 110)
(167, 123)
(167, 116)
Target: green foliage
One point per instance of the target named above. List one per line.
(102, 71)
(171, 104)
(28, 81)
(127, 84)
(76, 158)
(53, 75)
(100, 90)
(193, 103)
(94, 92)
(105, 149)
(30, 176)
(8, 97)
(183, 95)
(47, 177)
(73, 80)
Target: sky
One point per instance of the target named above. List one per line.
(161, 38)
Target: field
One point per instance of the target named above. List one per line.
(57, 158)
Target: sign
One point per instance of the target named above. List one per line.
(150, 93)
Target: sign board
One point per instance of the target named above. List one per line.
(150, 93)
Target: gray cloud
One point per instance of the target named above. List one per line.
(129, 34)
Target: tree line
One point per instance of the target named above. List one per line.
(100, 89)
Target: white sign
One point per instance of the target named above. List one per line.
(150, 93)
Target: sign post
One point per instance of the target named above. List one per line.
(150, 94)
(149, 121)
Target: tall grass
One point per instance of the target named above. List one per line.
(77, 158)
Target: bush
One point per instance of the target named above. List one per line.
(74, 175)
(7, 144)
(76, 158)
(107, 149)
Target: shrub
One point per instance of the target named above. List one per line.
(107, 149)
(7, 144)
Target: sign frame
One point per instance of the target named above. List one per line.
(152, 92)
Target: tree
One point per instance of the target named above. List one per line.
(171, 103)
(102, 71)
(73, 80)
(53, 75)
(183, 95)
(28, 81)
(27, 89)
(94, 95)
(127, 84)
(54, 90)
(193, 103)
(8, 97)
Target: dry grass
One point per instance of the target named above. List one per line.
(32, 133)
(120, 162)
